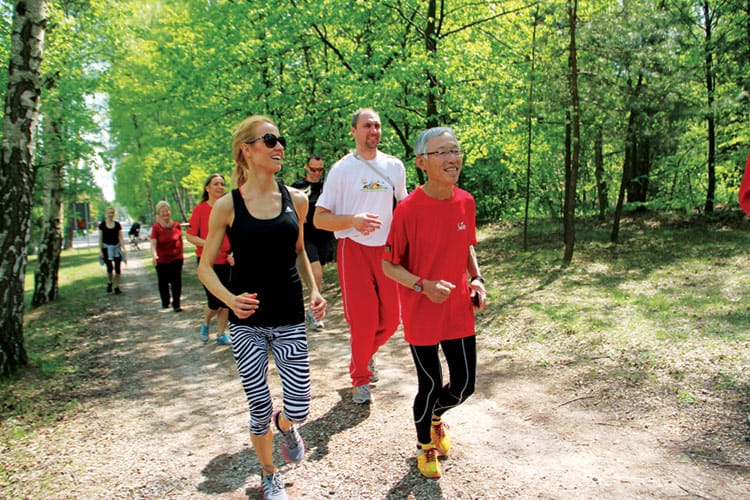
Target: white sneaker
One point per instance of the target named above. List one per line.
(362, 394)
(374, 374)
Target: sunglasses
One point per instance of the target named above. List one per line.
(269, 140)
(316, 170)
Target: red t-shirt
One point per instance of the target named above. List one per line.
(168, 242)
(431, 238)
(199, 228)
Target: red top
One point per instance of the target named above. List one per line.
(431, 238)
(168, 242)
(199, 228)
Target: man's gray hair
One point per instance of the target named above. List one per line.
(420, 147)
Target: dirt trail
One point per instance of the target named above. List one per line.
(165, 417)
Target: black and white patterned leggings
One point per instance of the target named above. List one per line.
(432, 396)
(288, 344)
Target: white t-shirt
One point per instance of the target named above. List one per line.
(352, 187)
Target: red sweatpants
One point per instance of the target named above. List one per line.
(371, 304)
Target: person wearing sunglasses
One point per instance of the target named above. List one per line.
(438, 299)
(357, 205)
(319, 243)
(267, 311)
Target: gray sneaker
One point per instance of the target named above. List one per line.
(272, 487)
(362, 394)
(374, 374)
(292, 444)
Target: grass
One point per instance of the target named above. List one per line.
(671, 298)
(667, 306)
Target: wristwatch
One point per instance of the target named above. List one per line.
(418, 286)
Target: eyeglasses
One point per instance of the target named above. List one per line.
(269, 140)
(444, 155)
(316, 170)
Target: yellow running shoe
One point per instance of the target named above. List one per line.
(427, 461)
(439, 435)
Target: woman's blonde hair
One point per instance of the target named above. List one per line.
(162, 203)
(244, 132)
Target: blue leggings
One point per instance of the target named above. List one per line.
(432, 396)
(289, 347)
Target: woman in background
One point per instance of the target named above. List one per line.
(167, 255)
(113, 249)
(213, 189)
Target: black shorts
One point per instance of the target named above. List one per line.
(224, 272)
(320, 250)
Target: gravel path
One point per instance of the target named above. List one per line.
(164, 417)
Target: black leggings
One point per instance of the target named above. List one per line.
(432, 396)
(170, 276)
(113, 264)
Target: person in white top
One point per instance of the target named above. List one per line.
(357, 205)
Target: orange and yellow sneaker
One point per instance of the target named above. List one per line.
(439, 435)
(427, 461)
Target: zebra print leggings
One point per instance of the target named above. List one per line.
(288, 344)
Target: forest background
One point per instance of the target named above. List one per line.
(564, 109)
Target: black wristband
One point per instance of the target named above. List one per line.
(477, 277)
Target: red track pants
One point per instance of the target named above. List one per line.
(371, 304)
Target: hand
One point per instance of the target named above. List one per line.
(318, 306)
(438, 291)
(245, 304)
(367, 223)
(478, 294)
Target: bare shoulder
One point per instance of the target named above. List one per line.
(298, 196)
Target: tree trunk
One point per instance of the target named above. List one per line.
(601, 186)
(529, 130)
(17, 173)
(710, 84)
(614, 236)
(571, 170)
(48, 264)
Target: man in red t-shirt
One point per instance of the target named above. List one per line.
(430, 253)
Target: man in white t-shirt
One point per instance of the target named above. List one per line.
(357, 205)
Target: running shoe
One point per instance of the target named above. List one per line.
(427, 461)
(374, 374)
(292, 444)
(362, 394)
(272, 487)
(440, 438)
(310, 317)
(109, 287)
(118, 291)
(223, 339)
(204, 333)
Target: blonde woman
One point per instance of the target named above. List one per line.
(263, 220)
(113, 249)
(167, 256)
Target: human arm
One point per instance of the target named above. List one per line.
(195, 240)
(153, 242)
(477, 284)
(437, 291)
(122, 245)
(222, 215)
(317, 302)
(364, 222)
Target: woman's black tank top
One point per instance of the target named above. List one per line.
(265, 259)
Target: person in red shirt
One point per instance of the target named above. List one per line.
(213, 189)
(430, 252)
(167, 255)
